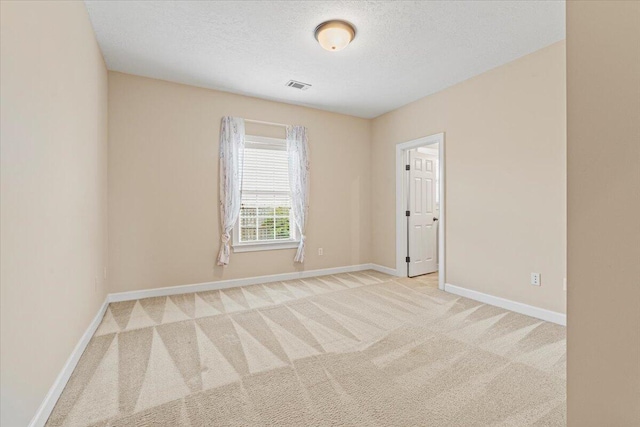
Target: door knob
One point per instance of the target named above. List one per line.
(435, 219)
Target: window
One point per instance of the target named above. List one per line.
(266, 220)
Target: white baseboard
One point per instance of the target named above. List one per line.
(518, 307)
(47, 405)
(386, 270)
(233, 283)
(49, 402)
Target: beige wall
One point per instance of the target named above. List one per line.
(53, 179)
(164, 226)
(505, 134)
(603, 71)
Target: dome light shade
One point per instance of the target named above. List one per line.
(335, 35)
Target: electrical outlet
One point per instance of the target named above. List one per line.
(320, 251)
(535, 279)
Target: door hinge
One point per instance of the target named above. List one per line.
(407, 259)
(407, 213)
(407, 167)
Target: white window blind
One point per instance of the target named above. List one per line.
(265, 215)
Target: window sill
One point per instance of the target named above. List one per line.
(266, 246)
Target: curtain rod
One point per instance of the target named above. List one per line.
(260, 122)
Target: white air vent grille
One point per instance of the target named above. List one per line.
(298, 85)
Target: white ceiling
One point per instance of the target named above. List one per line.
(403, 51)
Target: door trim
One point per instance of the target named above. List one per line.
(401, 219)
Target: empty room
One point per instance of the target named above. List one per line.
(320, 213)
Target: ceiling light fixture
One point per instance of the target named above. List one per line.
(335, 35)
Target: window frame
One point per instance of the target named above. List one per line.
(265, 143)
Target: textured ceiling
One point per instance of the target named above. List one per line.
(403, 51)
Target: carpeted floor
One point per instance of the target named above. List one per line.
(359, 349)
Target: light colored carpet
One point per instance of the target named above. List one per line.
(361, 349)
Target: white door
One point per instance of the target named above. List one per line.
(422, 222)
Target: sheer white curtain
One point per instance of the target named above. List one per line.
(231, 163)
(298, 151)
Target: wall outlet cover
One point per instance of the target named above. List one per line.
(535, 279)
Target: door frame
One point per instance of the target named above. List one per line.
(401, 204)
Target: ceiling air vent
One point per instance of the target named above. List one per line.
(298, 85)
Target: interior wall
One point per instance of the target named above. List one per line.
(505, 143)
(164, 226)
(53, 177)
(603, 73)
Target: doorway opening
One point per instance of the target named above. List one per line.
(420, 207)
